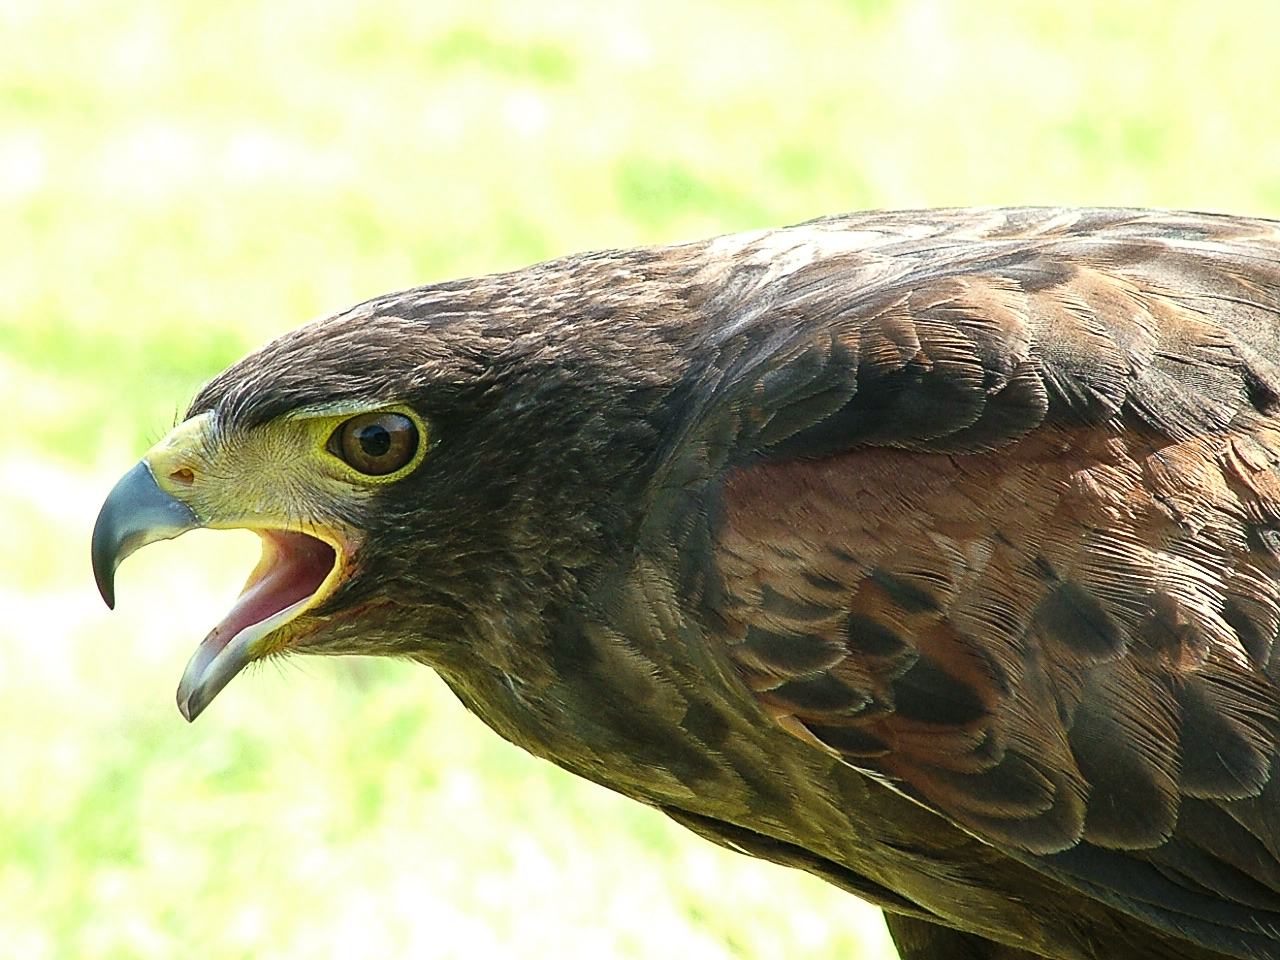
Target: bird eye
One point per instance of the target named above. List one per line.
(376, 443)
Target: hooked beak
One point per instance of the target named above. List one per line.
(301, 563)
(136, 512)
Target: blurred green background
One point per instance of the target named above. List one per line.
(180, 181)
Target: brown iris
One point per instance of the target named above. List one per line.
(376, 444)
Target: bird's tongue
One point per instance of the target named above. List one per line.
(293, 567)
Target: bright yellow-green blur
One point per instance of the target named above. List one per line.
(180, 181)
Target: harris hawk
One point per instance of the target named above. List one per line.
(936, 553)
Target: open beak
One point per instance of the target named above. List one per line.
(297, 570)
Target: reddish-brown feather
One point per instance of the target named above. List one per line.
(1015, 631)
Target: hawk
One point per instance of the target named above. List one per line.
(936, 553)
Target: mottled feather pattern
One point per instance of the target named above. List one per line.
(1063, 634)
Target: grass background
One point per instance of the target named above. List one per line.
(180, 181)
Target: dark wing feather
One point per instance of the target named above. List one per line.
(1000, 523)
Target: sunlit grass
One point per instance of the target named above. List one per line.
(181, 181)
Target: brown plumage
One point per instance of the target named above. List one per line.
(936, 553)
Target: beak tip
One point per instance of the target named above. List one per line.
(108, 594)
(103, 555)
(188, 710)
(191, 705)
(203, 679)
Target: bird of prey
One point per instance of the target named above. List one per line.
(936, 553)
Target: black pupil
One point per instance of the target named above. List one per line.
(375, 440)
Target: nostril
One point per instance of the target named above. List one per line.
(184, 476)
